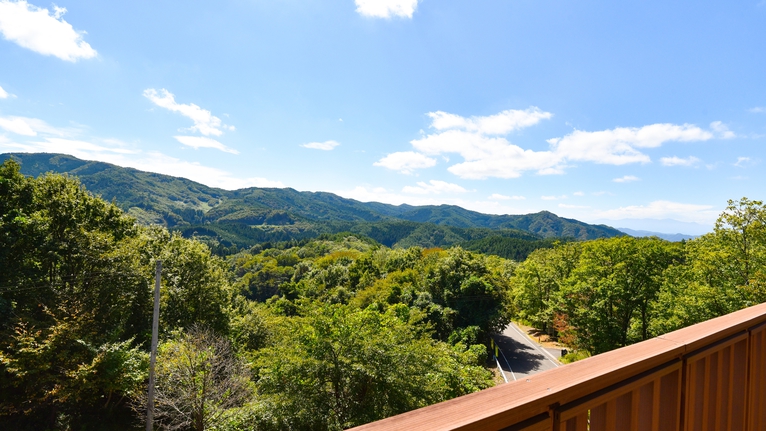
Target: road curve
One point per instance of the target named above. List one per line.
(520, 356)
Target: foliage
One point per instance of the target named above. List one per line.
(726, 270)
(610, 295)
(335, 325)
(603, 294)
(537, 282)
(196, 288)
(198, 378)
(453, 288)
(72, 298)
(577, 355)
(517, 249)
(75, 302)
(339, 367)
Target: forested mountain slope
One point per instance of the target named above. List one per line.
(246, 216)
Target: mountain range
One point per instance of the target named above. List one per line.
(248, 216)
(672, 237)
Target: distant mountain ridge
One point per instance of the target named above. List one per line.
(672, 237)
(287, 213)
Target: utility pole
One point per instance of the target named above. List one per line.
(153, 357)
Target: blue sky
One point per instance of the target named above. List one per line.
(627, 113)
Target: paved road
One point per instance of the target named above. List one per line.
(521, 357)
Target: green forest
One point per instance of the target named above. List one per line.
(318, 333)
(232, 220)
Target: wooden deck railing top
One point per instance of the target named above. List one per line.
(710, 376)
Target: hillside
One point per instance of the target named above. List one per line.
(247, 216)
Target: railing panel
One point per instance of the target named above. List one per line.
(669, 400)
(632, 405)
(757, 378)
(648, 406)
(624, 412)
(716, 386)
(577, 423)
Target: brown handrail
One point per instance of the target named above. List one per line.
(710, 376)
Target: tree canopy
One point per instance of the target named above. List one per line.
(316, 334)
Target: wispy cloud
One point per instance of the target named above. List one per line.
(43, 31)
(678, 161)
(115, 152)
(76, 147)
(499, 124)
(662, 210)
(499, 197)
(434, 187)
(757, 110)
(325, 146)
(3, 94)
(204, 121)
(553, 198)
(26, 126)
(405, 162)
(197, 142)
(744, 162)
(721, 130)
(17, 126)
(486, 152)
(386, 8)
(626, 179)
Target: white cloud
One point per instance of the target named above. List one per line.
(620, 146)
(386, 8)
(204, 121)
(626, 179)
(744, 162)
(325, 146)
(17, 125)
(499, 124)
(757, 110)
(499, 197)
(678, 161)
(78, 148)
(114, 152)
(662, 210)
(3, 94)
(553, 198)
(722, 131)
(42, 31)
(435, 187)
(157, 162)
(32, 126)
(485, 156)
(198, 142)
(487, 153)
(373, 194)
(578, 194)
(405, 161)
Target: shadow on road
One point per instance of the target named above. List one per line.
(523, 358)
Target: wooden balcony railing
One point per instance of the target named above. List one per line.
(710, 376)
